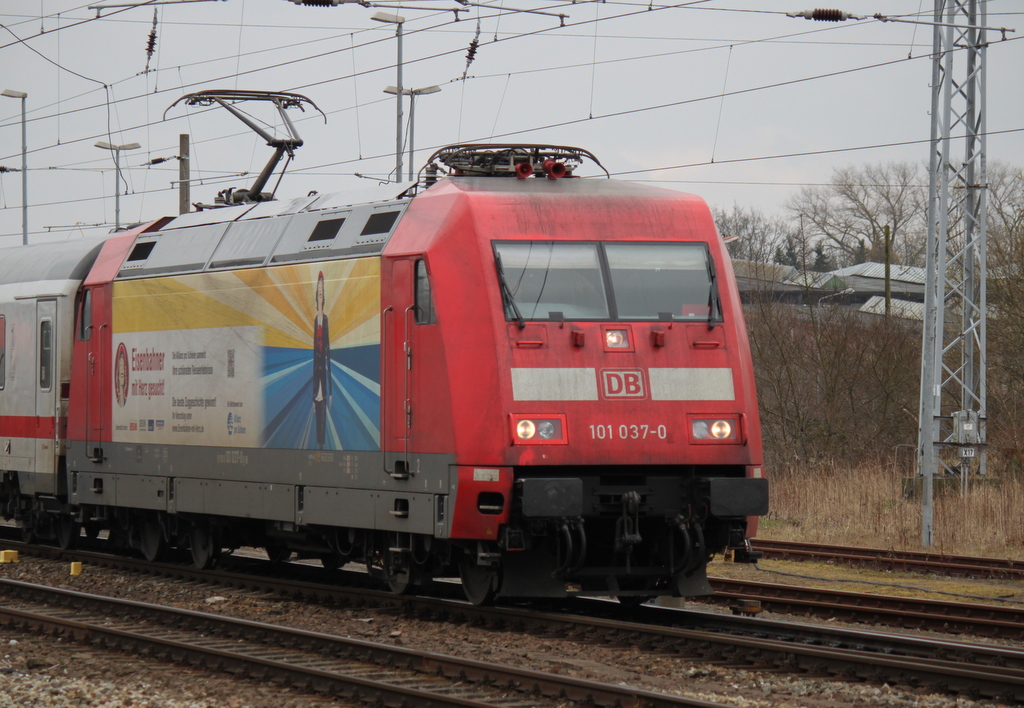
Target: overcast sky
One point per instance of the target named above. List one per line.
(728, 99)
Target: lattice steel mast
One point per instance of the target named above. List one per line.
(951, 437)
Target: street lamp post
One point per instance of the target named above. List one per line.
(398, 21)
(117, 168)
(10, 93)
(412, 94)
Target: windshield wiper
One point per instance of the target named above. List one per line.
(712, 291)
(506, 293)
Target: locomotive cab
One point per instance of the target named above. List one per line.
(596, 376)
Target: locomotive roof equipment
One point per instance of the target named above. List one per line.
(512, 160)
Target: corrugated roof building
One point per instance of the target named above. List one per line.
(904, 309)
(857, 285)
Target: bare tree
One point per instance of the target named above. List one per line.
(1006, 308)
(850, 214)
(1005, 199)
(832, 383)
(757, 235)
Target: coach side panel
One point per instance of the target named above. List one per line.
(35, 372)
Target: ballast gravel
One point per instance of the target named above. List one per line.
(44, 672)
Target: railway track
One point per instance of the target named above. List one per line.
(893, 611)
(365, 672)
(889, 559)
(756, 643)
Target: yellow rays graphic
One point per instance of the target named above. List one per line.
(358, 304)
(281, 299)
(159, 304)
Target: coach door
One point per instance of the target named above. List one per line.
(47, 385)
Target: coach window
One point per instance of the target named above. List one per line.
(3, 351)
(424, 298)
(45, 354)
(85, 317)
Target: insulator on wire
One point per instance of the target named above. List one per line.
(151, 44)
(471, 54)
(317, 3)
(829, 15)
(823, 15)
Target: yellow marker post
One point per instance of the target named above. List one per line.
(76, 567)
(8, 556)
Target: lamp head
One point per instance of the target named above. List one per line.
(387, 17)
(103, 144)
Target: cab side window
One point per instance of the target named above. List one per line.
(424, 298)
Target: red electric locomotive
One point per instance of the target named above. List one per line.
(536, 381)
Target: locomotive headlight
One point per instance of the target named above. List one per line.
(712, 430)
(538, 430)
(616, 338)
(526, 429)
(721, 429)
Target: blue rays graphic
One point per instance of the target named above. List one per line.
(353, 418)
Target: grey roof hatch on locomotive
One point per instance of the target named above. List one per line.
(316, 227)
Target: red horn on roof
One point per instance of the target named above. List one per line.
(524, 170)
(554, 170)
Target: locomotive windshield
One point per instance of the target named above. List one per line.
(554, 280)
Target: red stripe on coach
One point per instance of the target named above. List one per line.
(30, 426)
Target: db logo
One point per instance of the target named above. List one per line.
(623, 383)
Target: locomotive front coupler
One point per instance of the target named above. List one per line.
(627, 526)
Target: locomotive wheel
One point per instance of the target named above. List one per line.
(479, 584)
(277, 552)
(151, 540)
(384, 567)
(333, 560)
(400, 584)
(28, 530)
(400, 581)
(200, 542)
(68, 532)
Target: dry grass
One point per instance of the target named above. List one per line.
(866, 506)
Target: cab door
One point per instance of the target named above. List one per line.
(398, 370)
